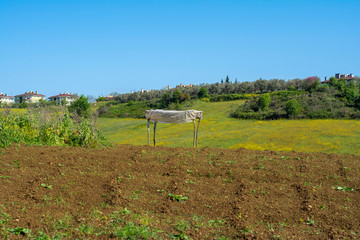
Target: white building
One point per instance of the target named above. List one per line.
(69, 98)
(5, 99)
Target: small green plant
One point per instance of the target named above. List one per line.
(46, 186)
(181, 226)
(322, 207)
(16, 164)
(216, 223)
(189, 181)
(43, 236)
(132, 231)
(260, 167)
(283, 223)
(344, 189)
(310, 221)
(178, 198)
(19, 231)
(125, 211)
(85, 229)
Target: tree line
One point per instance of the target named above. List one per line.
(265, 99)
(334, 99)
(214, 89)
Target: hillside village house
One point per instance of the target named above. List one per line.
(5, 99)
(69, 98)
(29, 97)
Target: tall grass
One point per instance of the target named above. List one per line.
(219, 130)
(44, 127)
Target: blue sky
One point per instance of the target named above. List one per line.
(99, 47)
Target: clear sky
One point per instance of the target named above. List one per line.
(98, 47)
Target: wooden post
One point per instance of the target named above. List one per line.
(148, 129)
(197, 132)
(154, 131)
(194, 121)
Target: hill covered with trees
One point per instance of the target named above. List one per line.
(265, 99)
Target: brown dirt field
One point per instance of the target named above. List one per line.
(69, 193)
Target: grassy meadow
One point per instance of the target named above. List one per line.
(218, 130)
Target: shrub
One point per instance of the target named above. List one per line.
(264, 102)
(81, 106)
(292, 107)
(203, 92)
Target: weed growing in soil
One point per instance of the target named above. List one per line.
(344, 189)
(178, 198)
(310, 221)
(46, 186)
(19, 231)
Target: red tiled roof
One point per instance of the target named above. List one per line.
(4, 96)
(30, 94)
(63, 95)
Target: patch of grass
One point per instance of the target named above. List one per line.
(132, 231)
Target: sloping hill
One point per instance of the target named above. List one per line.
(218, 130)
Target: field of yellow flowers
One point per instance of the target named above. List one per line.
(218, 130)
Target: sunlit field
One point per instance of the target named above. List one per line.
(218, 130)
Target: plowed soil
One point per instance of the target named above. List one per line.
(182, 193)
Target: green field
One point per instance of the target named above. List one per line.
(218, 130)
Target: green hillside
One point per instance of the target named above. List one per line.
(218, 130)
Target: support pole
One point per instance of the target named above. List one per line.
(154, 131)
(148, 130)
(194, 121)
(197, 132)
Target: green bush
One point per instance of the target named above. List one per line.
(81, 106)
(59, 130)
(292, 107)
(328, 102)
(203, 93)
(264, 102)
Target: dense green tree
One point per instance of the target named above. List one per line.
(227, 80)
(292, 107)
(333, 81)
(351, 93)
(203, 92)
(165, 100)
(315, 86)
(81, 106)
(261, 85)
(176, 96)
(100, 99)
(264, 102)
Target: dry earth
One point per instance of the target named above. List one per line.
(182, 193)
